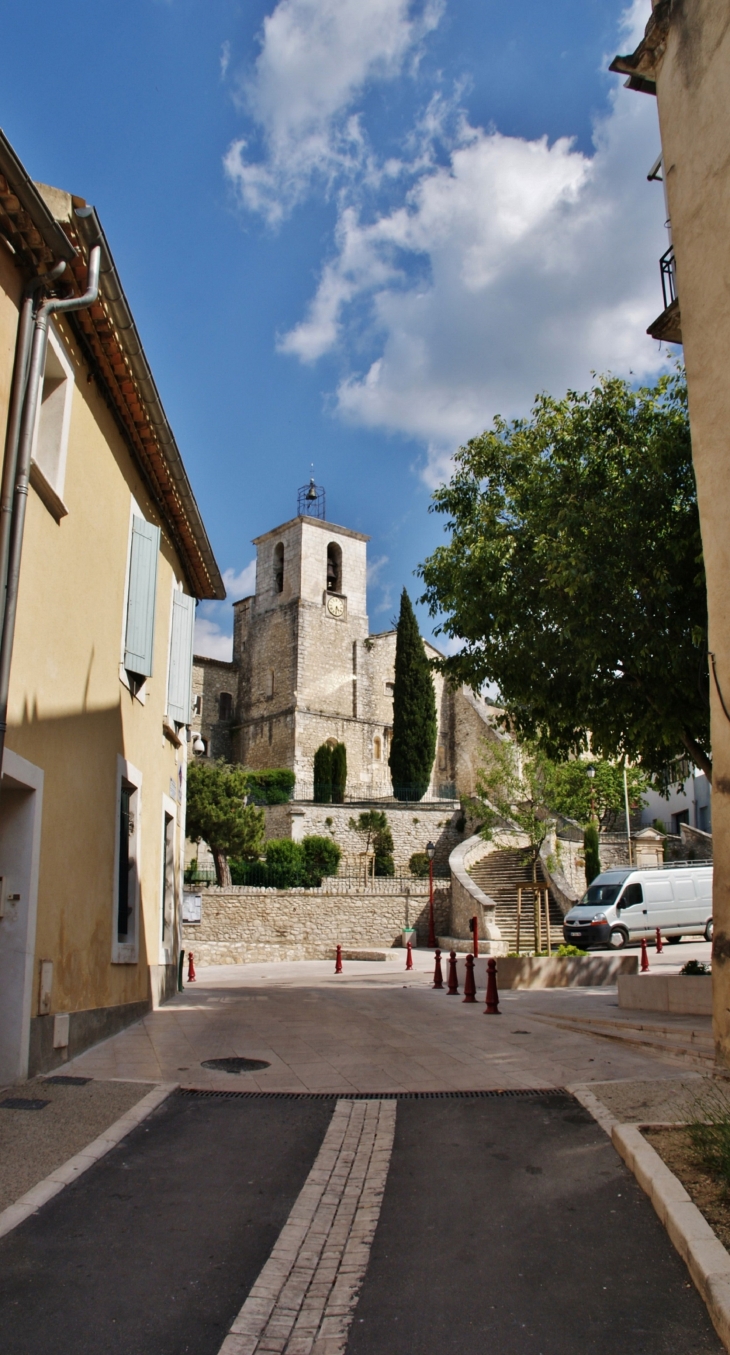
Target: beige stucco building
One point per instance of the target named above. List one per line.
(92, 806)
(684, 59)
(306, 670)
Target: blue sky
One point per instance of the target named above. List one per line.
(351, 231)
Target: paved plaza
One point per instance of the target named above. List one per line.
(407, 1172)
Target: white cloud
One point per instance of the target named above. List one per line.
(225, 58)
(316, 57)
(210, 641)
(240, 585)
(541, 263)
(632, 23)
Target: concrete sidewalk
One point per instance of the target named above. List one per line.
(369, 1029)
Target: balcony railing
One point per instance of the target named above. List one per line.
(669, 277)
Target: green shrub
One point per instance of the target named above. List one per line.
(418, 865)
(339, 773)
(321, 857)
(271, 787)
(693, 967)
(285, 863)
(323, 775)
(590, 847)
(569, 950)
(710, 1139)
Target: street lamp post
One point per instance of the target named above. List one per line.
(430, 853)
(590, 773)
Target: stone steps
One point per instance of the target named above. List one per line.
(499, 875)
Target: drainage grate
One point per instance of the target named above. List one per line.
(235, 1065)
(523, 1093)
(62, 1081)
(22, 1103)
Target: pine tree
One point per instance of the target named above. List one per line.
(414, 711)
(339, 773)
(323, 775)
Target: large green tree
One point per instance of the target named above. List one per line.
(217, 812)
(574, 574)
(413, 744)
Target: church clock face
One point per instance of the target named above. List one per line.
(335, 606)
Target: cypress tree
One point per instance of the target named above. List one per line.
(590, 848)
(339, 773)
(323, 775)
(414, 711)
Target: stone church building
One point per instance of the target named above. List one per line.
(307, 670)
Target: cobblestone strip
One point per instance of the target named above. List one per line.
(305, 1296)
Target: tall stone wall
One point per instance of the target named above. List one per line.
(412, 826)
(245, 926)
(211, 677)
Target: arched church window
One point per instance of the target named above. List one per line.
(279, 568)
(225, 706)
(334, 568)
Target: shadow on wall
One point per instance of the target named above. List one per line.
(75, 923)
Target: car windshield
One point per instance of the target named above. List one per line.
(600, 894)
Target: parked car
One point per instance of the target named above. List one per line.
(625, 905)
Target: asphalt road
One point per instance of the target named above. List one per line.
(153, 1250)
(512, 1227)
(508, 1226)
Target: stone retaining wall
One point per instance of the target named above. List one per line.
(242, 925)
(412, 826)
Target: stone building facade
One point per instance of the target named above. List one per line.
(306, 670)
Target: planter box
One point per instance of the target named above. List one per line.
(684, 994)
(525, 971)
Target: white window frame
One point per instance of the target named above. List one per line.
(50, 488)
(169, 811)
(127, 952)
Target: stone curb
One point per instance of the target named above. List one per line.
(707, 1260)
(44, 1191)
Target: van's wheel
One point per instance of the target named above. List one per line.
(708, 931)
(674, 940)
(619, 938)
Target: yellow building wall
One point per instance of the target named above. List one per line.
(71, 714)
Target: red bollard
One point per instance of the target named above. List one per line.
(475, 936)
(338, 960)
(492, 1007)
(659, 946)
(191, 967)
(453, 976)
(438, 978)
(470, 988)
(409, 956)
(644, 957)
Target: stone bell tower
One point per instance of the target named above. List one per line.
(298, 641)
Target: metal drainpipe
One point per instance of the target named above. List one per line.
(53, 306)
(15, 409)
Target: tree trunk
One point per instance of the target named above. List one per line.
(222, 868)
(698, 756)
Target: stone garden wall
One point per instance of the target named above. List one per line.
(243, 925)
(412, 826)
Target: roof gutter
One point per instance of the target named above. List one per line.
(90, 229)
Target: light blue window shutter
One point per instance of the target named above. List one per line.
(181, 658)
(140, 634)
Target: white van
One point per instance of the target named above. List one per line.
(625, 905)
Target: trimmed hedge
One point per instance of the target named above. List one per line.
(270, 787)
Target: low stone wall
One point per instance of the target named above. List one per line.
(684, 994)
(412, 826)
(242, 925)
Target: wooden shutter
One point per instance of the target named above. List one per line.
(140, 633)
(181, 658)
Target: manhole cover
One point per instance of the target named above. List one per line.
(62, 1081)
(235, 1065)
(22, 1103)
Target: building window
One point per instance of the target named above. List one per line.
(125, 943)
(678, 820)
(270, 682)
(198, 704)
(442, 757)
(279, 568)
(50, 441)
(225, 706)
(389, 688)
(377, 748)
(168, 879)
(334, 568)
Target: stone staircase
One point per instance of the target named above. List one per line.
(500, 874)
